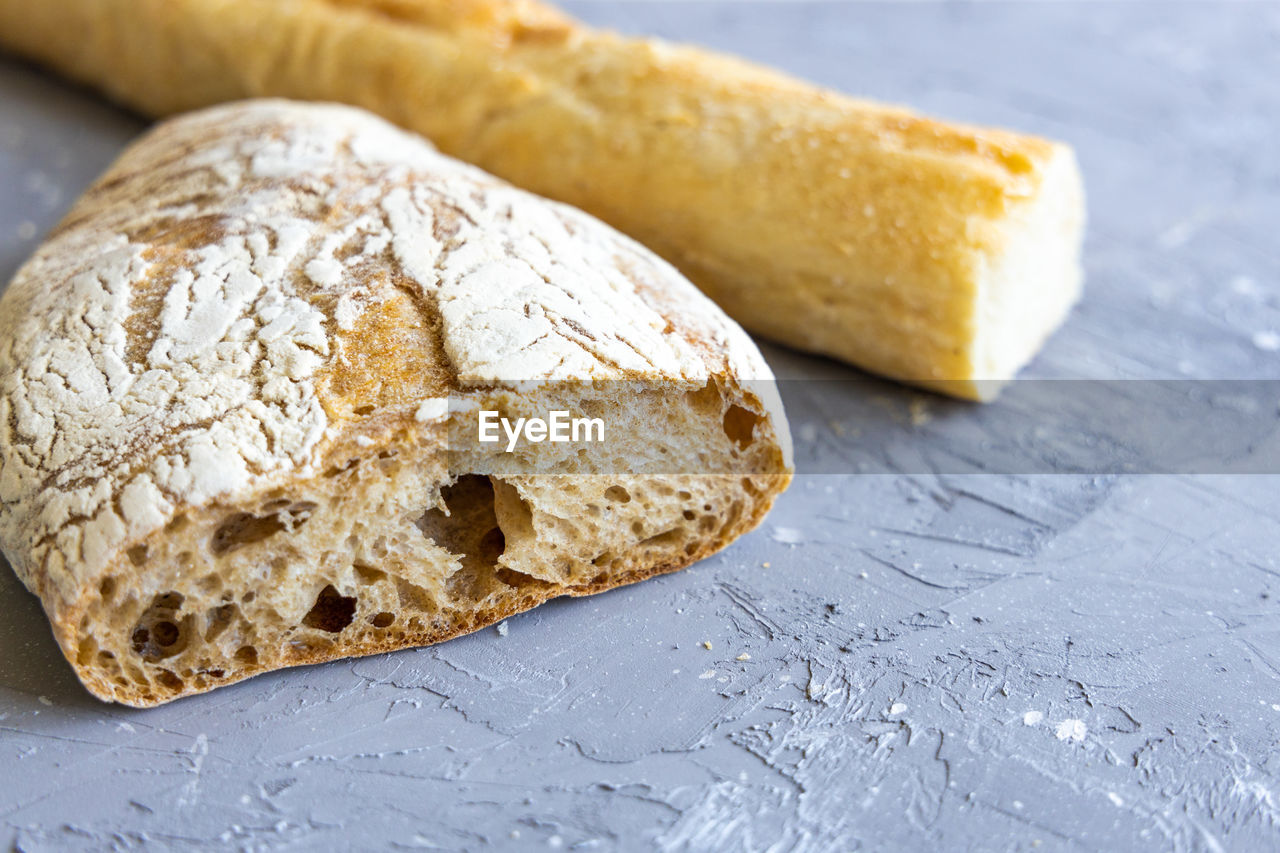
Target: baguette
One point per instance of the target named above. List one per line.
(241, 384)
(933, 253)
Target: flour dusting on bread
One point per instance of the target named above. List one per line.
(227, 381)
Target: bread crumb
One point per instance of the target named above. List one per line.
(45, 700)
(711, 673)
(897, 708)
(502, 629)
(744, 656)
(1032, 718)
(765, 565)
(706, 644)
(919, 411)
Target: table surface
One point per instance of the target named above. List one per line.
(998, 661)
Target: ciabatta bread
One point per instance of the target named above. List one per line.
(931, 252)
(241, 381)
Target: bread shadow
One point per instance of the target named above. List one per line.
(30, 661)
(55, 139)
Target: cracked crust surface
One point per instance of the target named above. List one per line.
(232, 377)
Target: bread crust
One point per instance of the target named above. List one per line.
(238, 379)
(931, 252)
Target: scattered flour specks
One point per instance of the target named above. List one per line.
(1032, 718)
(897, 708)
(788, 536)
(1072, 730)
(1244, 285)
(1267, 341)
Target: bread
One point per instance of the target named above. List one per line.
(241, 384)
(934, 253)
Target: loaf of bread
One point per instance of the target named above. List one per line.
(242, 383)
(933, 253)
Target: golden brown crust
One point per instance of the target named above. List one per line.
(238, 388)
(828, 223)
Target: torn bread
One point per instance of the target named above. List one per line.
(931, 252)
(240, 384)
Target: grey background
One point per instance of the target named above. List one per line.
(936, 661)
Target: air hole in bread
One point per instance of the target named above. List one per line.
(512, 513)
(740, 426)
(169, 679)
(332, 611)
(667, 537)
(219, 619)
(243, 528)
(467, 523)
(342, 469)
(413, 597)
(706, 399)
(160, 633)
(617, 494)
(107, 588)
(383, 619)
(137, 554)
(246, 655)
(513, 578)
(368, 574)
(164, 633)
(481, 518)
(86, 650)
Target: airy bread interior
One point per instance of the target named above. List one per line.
(394, 545)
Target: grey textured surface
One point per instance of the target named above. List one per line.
(972, 662)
